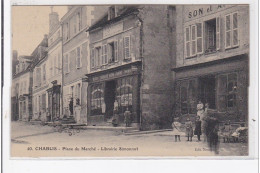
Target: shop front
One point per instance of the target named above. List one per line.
(222, 85)
(116, 88)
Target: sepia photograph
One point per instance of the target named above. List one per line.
(134, 80)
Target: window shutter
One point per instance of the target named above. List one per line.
(187, 41)
(66, 63)
(127, 47)
(102, 55)
(109, 52)
(235, 29)
(78, 57)
(217, 33)
(116, 50)
(199, 38)
(105, 54)
(228, 31)
(81, 55)
(193, 40)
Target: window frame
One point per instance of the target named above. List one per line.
(232, 30)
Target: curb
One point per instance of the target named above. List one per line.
(147, 132)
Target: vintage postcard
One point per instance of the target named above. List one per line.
(123, 81)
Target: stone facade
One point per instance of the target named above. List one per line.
(212, 52)
(134, 69)
(76, 57)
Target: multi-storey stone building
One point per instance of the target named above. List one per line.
(40, 83)
(54, 70)
(21, 89)
(76, 58)
(211, 55)
(130, 67)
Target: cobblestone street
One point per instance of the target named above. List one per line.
(43, 141)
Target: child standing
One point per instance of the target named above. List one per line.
(176, 128)
(189, 129)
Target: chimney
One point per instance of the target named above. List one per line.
(53, 20)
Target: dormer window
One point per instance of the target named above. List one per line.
(112, 12)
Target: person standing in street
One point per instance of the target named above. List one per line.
(189, 129)
(212, 134)
(197, 130)
(176, 128)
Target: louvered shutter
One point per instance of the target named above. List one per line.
(217, 33)
(116, 50)
(102, 55)
(228, 31)
(187, 41)
(127, 47)
(193, 40)
(199, 38)
(92, 58)
(105, 54)
(235, 29)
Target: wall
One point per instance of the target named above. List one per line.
(129, 28)
(157, 90)
(185, 17)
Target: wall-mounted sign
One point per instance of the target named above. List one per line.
(192, 12)
(112, 30)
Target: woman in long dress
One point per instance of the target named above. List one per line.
(176, 128)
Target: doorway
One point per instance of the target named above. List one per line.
(110, 96)
(207, 88)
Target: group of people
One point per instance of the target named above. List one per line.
(205, 125)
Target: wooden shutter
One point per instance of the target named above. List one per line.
(105, 54)
(217, 33)
(228, 31)
(102, 55)
(199, 38)
(116, 50)
(78, 57)
(109, 52)
(92, 58)
(187, 41)
(193, 40)
(127, 47)
(235, 29)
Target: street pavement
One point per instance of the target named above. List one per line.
(44, 141)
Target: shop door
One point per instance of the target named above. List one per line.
(208, 90)
(110, 95)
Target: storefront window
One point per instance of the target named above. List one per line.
(227, 91)
(124, 94)
(188, 96)
(97, 99)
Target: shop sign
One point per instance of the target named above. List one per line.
(196, 11)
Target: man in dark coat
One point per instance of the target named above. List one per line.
(197, 130)
(212, 134)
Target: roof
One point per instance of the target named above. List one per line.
(128, 10)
